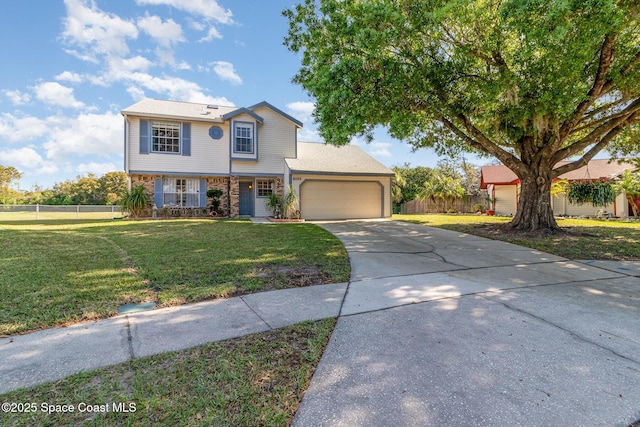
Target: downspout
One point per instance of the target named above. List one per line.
(126, 149)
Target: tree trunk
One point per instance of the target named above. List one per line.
(632, 203)
(534, 205)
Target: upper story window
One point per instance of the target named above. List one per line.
(243, 138)
(165, 137)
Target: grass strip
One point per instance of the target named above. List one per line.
(583, 238)
(256, 380)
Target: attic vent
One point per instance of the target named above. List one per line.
(212, 106)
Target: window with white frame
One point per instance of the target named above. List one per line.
(182, 192)
(243, 137)
(165, 137)
(264, 187)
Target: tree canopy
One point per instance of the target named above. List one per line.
(529, 82)
(84, 190)
(8, 176)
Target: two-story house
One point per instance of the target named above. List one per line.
(179, 150)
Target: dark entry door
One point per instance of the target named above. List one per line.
(246, 198)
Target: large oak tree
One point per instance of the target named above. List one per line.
(530, 82)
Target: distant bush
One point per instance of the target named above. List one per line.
(477, 207)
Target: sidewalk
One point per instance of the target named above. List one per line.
(53, 354)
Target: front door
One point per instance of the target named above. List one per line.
(246, 198)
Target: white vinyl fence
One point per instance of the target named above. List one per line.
(47, 212)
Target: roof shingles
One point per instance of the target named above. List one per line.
(329, 159)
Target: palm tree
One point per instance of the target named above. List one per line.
(442, 187)
(629, 182)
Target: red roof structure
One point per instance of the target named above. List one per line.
(497, 175)
(595, 169)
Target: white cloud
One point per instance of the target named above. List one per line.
(166, 33)
(225, 71)
(301, 110)
(98, 169)
(198, 26)
(17, 97)
(381, 150)
(211, 34)
(69, 76)
(56, 94)
(27, 158)
(120, 67)
(86, 134)
(21, 129)
(136, 93)
(208, 9)
(374, 148)
(309, 135)
(94, 31)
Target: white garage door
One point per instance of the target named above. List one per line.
(340, 199)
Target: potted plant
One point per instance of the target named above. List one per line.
(289, 203)
(492, 205)
(214, 194)
(273, 203)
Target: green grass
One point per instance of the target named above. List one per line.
(257, 380)
(585, 238)
(61, 272)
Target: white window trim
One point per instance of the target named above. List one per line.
(173, 126)
(269, 186)
(252, 138)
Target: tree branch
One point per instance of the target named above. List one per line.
(481, 143)
(586, 158)
(634, 61)
(630, 117)
(606, 55)
(595, 123)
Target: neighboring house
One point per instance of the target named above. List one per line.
(179, 150)
(504, 186)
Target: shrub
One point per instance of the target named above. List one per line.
(135, 201)
(477, 207)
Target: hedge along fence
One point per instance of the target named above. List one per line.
(418, 206)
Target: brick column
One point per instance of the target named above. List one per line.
(234, 196)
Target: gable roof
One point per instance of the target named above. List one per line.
(277, 110)
(595, 169)
(163, 109)
(242, 110)
(496, 175)
(322, 158)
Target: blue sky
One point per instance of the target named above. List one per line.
(71, 66)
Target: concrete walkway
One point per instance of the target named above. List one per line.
(435, 328)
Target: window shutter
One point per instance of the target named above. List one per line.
(203, 193)
(157, 192)
(186, 139)
(144, 137)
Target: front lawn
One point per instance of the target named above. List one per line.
(585, 238)
(56, 273)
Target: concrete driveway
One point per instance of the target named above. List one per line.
(439, 328)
